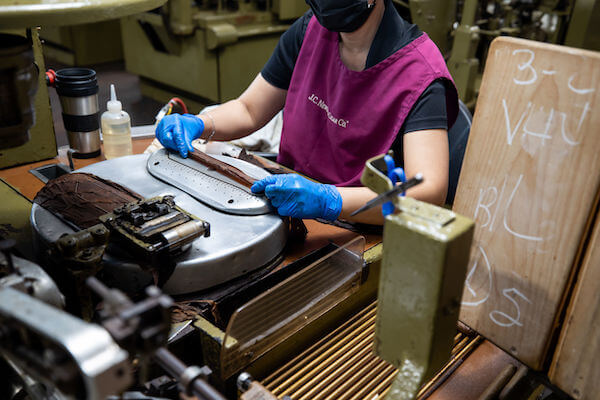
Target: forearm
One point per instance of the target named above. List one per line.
(246, 114)
(224, 125)
(355, 197)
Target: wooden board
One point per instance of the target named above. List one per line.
(529, 180)
(576, 365)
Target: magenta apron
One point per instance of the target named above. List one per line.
(335, 119)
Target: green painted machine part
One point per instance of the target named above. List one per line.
(205, 53)
(463, 63)
(425, 257)
(287, 10)
(42, 144)
(436, 18)
(584, 26)
(574, 23)
(87, 44)
(19, 14)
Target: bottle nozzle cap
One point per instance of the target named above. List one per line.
(113, 105)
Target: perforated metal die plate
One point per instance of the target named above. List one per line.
(208, 185)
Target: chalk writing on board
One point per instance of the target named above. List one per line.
(491, 202)
(532, 74)
(482, 292)
(538, 122)
(495, 205)
(578, 91)
(503, 319)
(527, 65)
(479, 296)
(499, 207)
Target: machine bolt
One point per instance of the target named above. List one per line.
(244, 381)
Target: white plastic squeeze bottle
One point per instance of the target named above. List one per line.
(116, 128)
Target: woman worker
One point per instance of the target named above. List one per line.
(354, 80)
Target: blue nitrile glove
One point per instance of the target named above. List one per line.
(295, 196)
(176, 132)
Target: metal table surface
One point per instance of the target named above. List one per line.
(237, 245)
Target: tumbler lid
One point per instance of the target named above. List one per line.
(76, 82)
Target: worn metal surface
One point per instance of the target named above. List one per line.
(287, 9)
(31, 13)
(80, 353)
(31, 279)
(237, 245)
(472, 378)
(463, 64)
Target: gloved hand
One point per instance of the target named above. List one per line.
(295, 196)
(176, 132)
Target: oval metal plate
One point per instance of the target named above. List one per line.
(208, 185)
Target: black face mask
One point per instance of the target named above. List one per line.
(341, 15)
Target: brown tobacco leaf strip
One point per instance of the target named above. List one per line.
(265, 164)
(223, 168)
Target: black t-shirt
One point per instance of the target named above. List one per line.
(429, 111)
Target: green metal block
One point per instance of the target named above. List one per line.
(425, 257)
(211, 340)
(239, 63)
(87, 44)
(42, 143)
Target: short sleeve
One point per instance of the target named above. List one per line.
(429, 111)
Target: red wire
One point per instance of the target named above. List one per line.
(181, 104)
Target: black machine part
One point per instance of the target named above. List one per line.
(154, 227)
(18, 85)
